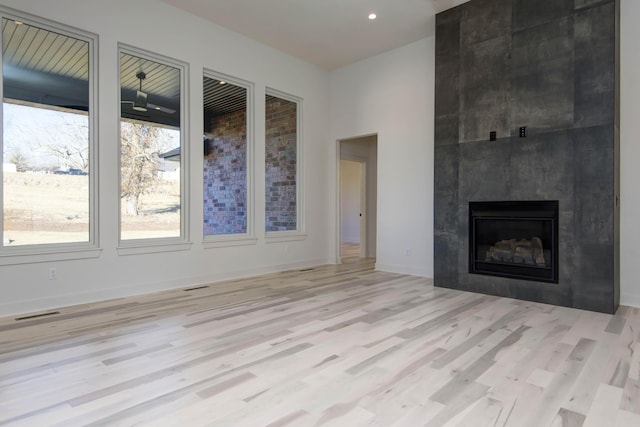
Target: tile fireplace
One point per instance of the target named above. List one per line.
(552, 69)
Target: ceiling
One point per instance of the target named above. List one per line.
(161, 83)
(43, 67)
(221, 97)
(328, 33)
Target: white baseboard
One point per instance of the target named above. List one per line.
(242, 274)
(403, 269)
(67, 300)
(630, 300)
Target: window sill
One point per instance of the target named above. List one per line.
(284, 236)
(141, 248)
(222, 241)
(31, 256)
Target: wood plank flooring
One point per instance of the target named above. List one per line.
(331, 346)
(349, 251)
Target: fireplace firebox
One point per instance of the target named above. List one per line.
(516, 239)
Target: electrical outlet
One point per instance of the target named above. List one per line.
(53, 273)
(286, 249)
(523, 132)
(407, 252)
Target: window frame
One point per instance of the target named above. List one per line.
(249, 237)
(299, 233)
(159, 244)
(47, 252)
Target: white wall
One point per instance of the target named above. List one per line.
(392, 95)
(350, 186)
(629, 153)
(160, 28)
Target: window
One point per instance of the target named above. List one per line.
(282, 160)
(152, 150)
(48, 144)
(227, 156)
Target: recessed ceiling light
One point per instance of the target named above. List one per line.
(372, 16)
(222, 82)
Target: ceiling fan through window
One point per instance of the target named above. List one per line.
(140, 103)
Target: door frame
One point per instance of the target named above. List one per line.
(364, 227)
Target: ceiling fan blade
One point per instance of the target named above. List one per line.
(160, 108)
(140, 103)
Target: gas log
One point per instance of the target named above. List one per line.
(521, 251)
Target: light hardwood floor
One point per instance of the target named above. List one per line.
(331, 346)
(349, 251)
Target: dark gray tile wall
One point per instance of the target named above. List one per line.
(543, 73)
(548, 65)
(594, 55)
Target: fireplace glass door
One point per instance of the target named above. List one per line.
(517, 239)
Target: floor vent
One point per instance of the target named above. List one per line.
(35, 316)
(196, 288)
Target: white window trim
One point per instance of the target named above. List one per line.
(284, 236)
(299, 233)
(161, 244)
(153, 245)
(249, 237)
(61, 251)
(226, 240)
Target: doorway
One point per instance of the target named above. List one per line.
(357, 177)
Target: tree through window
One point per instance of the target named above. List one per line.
(151, 149)
(47, 145)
